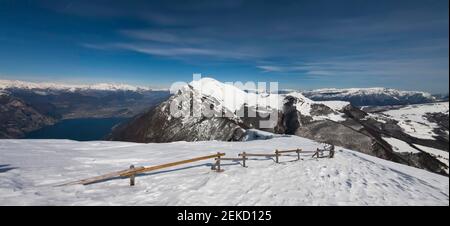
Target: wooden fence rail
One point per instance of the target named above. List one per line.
(232, 159)
(243, 159)
(290, 151)
(138, 170)
(100, 178)
(133, 171)
(152, 168)
(258, 155)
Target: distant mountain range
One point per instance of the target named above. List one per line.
(16, 84)
(371, 96)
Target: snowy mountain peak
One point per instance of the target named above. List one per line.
(210, 86)
(6, 84)
(114, 87)
(234, 96)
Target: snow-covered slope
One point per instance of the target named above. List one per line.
(420, 122)
(413, 120)
(371, 96)
(30, 169)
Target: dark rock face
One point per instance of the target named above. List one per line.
(17, 118)
(442, 120)
(337, 134)
(158, 125)
(290, 116)
(320, 109)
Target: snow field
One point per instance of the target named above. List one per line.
(30, 169)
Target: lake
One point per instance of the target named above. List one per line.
(84, 129)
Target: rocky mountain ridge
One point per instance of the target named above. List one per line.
(333, 122)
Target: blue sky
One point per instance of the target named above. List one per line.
(301, 44)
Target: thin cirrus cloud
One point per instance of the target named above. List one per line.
(308, 43)
(163, 36)
(157, 36)
(347, 37)
(179, 44)
(415, 67)
(355, 40)
(176, 52)
(412, 58)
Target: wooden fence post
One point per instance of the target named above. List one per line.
(132, 176)
(133, 171)
(298, 154)
(276, 155)
(332, 152)
(316, 153)
(243, 159)
(218, 162)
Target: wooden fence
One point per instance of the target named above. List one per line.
(133, 171)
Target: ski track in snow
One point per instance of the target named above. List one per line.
(29, 169)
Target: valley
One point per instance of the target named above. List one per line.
(46, 104)
(79, 129)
